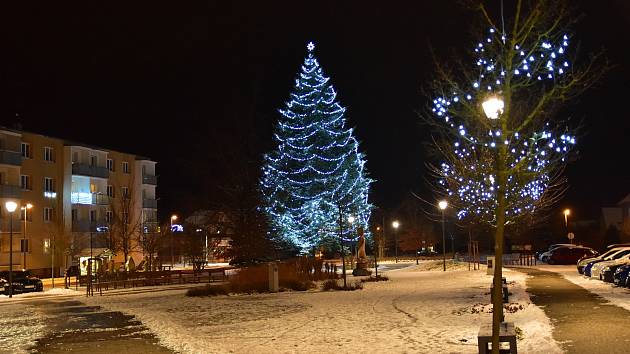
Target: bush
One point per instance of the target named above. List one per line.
(375, 279)
(332, 284)
(297, 285)
(208, 290)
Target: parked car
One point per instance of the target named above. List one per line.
(569, 254)
(23, 282)
(606, 256)
(588, 269)
(620, 278)
(543, 256)
(608, 273)
(618, 259)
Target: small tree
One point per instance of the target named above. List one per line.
(500, 144)
(150, 241)
(126, 223)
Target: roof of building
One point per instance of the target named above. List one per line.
(75, 143)
(612, 216)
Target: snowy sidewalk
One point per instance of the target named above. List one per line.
(417, 311)
(583, 321)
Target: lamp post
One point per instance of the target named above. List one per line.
(443, 204)
(11, 206)
(24, 242)
(566, 213)
(173, 218)
(343, 251)
(493, 108)
(374, 242)
(351, 221)
(396, 224)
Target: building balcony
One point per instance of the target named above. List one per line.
(9, 191)
(88, 226)
(149, 179)
(82, 169)
(89, 198)
(8, 157)
(100, 199)
(149, 203)
(150, 226)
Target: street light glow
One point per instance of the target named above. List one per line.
(351, 219)
(443, 204)
(492, 107)
(11, 206)
(173, 217)
(395, 224)
(567, 212)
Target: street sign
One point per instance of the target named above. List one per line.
(571, 236)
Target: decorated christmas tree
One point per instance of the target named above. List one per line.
(315, 180)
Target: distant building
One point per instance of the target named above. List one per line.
(624, 205)
(217, 229)
(74, 189)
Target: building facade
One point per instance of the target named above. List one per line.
(72, 199)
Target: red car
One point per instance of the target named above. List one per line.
(570, 254)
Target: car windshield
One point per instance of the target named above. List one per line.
(608, 253)
(618, 254)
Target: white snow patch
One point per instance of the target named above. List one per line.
(20, 326)
(416, 311)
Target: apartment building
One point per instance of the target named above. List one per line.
(72, 199)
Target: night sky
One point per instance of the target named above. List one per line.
(175, 80)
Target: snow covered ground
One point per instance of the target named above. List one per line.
(20, 324)
(615, 295)
(418, 310)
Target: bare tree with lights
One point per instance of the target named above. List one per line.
(500, 138)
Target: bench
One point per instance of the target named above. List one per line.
(507, 334)
(505, 292)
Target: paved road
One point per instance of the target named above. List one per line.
(583, 322)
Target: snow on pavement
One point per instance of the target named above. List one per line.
(416, 311)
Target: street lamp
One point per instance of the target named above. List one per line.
(443, 204)
(492, 107)
(396, 224)
(566, 213)
(24, 242)
(173, 218)
(11, 206)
